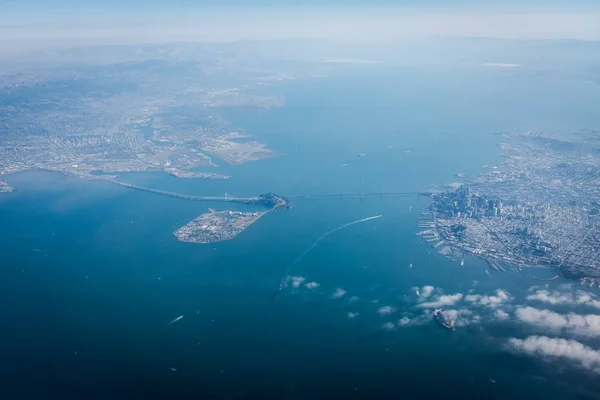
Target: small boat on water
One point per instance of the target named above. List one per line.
(443, 318)
(462, 262)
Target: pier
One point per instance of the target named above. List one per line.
(494, 265)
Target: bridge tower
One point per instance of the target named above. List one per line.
(226, 197)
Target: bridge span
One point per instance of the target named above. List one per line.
(229, 198)
(356, 195)
(182, 195)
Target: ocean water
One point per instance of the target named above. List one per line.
(92, 276)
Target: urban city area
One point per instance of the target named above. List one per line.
(538, 208)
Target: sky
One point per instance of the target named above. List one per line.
(26, 24)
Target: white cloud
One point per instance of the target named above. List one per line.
(337, 293)
(297, 281)
(564, 286)
(543, 318)
(582, 297)
(426, 291)
(500, 315)
(294, 281)
(388, 326)
(452, 314)
(555, 297)
(410, 320)
(352, 315)
(560, 298)
(582, 325)
(501, 296)
(385, 310)
(312, 285)
(352, 299)
(463, 317)
(572, 350)
(442, 301)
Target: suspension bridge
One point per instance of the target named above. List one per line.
(356, 195)
(229, 198)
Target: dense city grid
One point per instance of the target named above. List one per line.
(539, 207)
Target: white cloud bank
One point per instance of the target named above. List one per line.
(338, 293)
(297, 281)
(445, 300)
(388, 326)
(501, 297)
(385, 310)
(312, 285)
(426, 291)
(581, 325)
(562, 298)
(463, 317)
(546, 347)
(474, 308)
(501, 315)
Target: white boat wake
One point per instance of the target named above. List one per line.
(175, 320)
(323, 236)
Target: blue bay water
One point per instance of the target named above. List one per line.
(91, 274)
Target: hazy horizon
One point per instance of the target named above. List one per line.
(33, 25)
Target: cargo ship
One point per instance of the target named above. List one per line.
(443, 318)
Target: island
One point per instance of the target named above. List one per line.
(218, 226)
(538, 208)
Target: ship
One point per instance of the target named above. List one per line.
(443, 318)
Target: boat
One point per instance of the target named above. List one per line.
(462, 262)
(443, 318)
